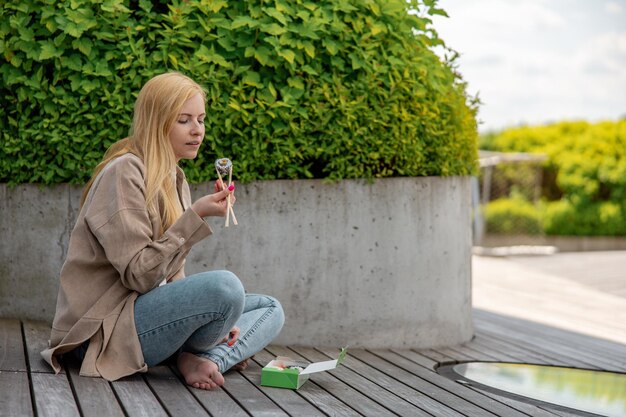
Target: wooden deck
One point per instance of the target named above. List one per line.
(369, 383)
(566, 309)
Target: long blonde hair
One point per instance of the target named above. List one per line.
(156, 110)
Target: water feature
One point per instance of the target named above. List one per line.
(598, 392)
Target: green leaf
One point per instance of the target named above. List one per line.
(241, 21)
(287, 54)
(439, 12)
(173, 60)
(309, 70)
(331, 46)
(84, 45)
(145, 5)
(296, 82)
(73, 62)
(281, 17)
(206, 55)
(48, 51)
(273, 29)
(217, 5)
(263, 55)
(309, 49)
(252, 78)
(72, 30)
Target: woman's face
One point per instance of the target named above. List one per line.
(188, 130)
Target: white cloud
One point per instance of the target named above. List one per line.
(607, 50)
(614, 7)
(534, 61)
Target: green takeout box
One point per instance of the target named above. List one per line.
(284, 372)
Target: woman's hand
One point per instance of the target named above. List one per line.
(214, 204)
(232, 336)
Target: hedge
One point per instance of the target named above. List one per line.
(297, 88)
(584, 192)
(512, 216)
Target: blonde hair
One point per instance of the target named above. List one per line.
(156, 110)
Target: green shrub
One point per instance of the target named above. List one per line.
(590, 159)
(597, 219)
(297, 89)
(512, 216)
(584, 176)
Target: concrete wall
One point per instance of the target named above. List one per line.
(372, 265)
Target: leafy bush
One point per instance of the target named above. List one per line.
(297, 89)
(590, 159)
(512, 216)
(585, 173)
(597, 219)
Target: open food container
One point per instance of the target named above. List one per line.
(284, 372)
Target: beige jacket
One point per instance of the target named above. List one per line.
(115, 254)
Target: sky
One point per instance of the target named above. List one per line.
(533, 62)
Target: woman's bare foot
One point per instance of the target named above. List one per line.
(199, 372)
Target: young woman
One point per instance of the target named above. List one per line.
(123, 303)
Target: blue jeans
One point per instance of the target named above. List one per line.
(196, 313)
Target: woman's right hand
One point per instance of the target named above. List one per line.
(214, 204)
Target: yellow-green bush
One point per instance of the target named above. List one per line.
(297, 88)
(512, 216)
(587, 162)
(596, 219)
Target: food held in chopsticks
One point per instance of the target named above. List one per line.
(224, 166)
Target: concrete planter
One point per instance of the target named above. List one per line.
(386, 264)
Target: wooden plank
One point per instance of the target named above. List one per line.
(288, 400)
(236, 395)
(36, 334)
(173, 394)
(409, 392)
(519, 407)
(529, 409)
(11, 346)
(549, 358)
(15, 394)
(249, 397)
(218, 403)
(526, 408)
(435, 386)
(561, 413)
(436, 356)
(136, 398)
(455, 354)
(464, 353)
(53, 396)
(368, 388)
(522, 341)
(509, 350)
(562, 352)
(319, 397)
(489, 352)
(417, 358)
(94, 396)
(348, 395)
(580, 347)
(611, 352)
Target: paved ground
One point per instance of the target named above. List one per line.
(584, 292)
